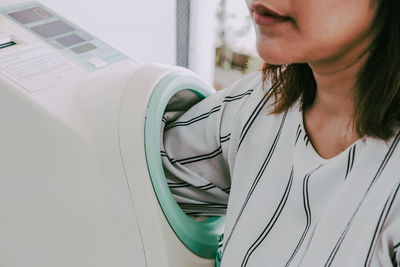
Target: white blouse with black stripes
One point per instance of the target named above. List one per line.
(284, 204)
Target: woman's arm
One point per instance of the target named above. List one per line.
(196, 151)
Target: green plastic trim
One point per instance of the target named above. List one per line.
(200, 237)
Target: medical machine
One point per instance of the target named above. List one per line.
(81, 180)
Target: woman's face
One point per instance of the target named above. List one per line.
(297, 31)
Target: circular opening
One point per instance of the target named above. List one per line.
(200, 236)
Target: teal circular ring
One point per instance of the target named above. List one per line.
(200, 237)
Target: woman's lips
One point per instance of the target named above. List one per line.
(264, 16)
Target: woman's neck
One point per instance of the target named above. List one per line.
(336, 81)
(330, 120)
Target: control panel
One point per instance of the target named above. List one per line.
(70, 40)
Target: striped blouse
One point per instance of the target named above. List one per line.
(284, 204)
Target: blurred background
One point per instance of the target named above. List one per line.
(235, 52)
(214, 38)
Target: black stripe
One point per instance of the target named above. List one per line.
(394, 260)
(305, 138)
(348, 163)
(350, 160)
(240, 95)
(306, 203)
(204, 214)
(178, 186)
(176, 183)
(201, 205)
(184, 184)
(308, 141)
(271, 222)
(227, 190)
(308, 243)
(172, 185)
(206, 187)
(164, 154)
(193, 120)
(381, 222)
(257, 179)
(352, 157)
(252, 118)
(377, 175)
(204, 205)
(211, 213)
(298, 135)
(298, 129)
(198, 158)
(225, 138)
(231, 100)
(237, 97)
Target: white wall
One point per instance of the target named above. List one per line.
(142, 29)
(202, 38)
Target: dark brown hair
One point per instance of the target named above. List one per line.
(377, 97)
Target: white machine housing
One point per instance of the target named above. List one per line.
(69, 196)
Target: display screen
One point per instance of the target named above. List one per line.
(30, 15)
(71, 39)
(52, 29)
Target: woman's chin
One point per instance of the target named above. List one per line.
(275, 56)
(275, 59)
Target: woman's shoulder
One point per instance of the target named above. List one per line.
(232, 99)
(250, 82)
(245, 92)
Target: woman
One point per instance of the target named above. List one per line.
(307, 150)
